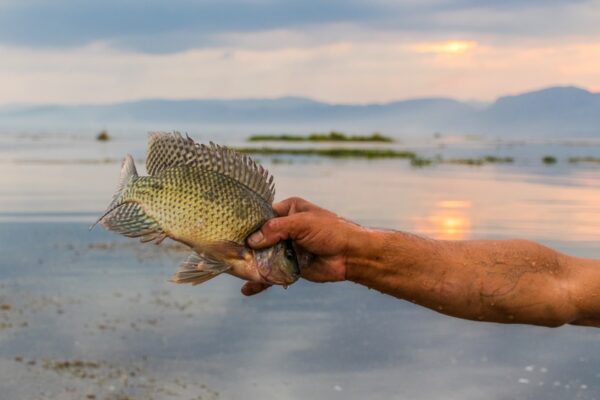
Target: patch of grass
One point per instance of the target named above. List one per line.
(480, 161)
(498, 160)
(334, 152)
(415, 160)
(332, 136)
(420, 162)
(548, 160)
(282, 138)
(575, 160)
(465, 161)
(277, 160)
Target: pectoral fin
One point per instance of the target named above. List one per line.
(225, 249)
(129, 219)
(199, 268)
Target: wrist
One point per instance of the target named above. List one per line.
(366, 252)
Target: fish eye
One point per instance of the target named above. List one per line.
(289, 254)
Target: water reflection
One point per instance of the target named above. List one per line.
(449, 220)
(109, 302)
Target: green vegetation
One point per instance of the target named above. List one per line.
(334, 153)
(277, 160)
(103, 136)
(277, 156)
(575, 160)
(415, 160)
(480, 161)
(498, 160)
(332, 136)
(420, 162)
(465, 161)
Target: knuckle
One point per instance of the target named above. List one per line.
(270, 224)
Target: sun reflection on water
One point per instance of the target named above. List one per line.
(449, 220)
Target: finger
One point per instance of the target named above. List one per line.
(293, 205)
(277, 229)
(252, 288)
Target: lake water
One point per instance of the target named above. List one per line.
(92, 315)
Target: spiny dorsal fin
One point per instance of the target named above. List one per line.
(166, 150)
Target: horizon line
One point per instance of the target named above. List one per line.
(300, 97)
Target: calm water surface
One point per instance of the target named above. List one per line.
(92, 314)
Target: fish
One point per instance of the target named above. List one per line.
(208, 197)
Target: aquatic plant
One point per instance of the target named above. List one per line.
(498, 160)
(332, 136)
(420, 162)
(575, 160)
(332, 152)
(465, 161)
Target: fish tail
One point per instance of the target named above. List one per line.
(128, 173)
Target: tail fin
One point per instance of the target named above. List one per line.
(128, 172)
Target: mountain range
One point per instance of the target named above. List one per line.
(565, 111)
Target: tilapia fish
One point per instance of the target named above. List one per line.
(209, 198)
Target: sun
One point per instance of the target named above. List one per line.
(457, 47)
(452, 47)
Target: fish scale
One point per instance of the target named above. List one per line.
(207, 197)
(226, 208)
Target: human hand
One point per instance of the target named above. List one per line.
(322, 240)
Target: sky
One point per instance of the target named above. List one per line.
(340, 51)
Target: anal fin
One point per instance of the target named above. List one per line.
(198, 268)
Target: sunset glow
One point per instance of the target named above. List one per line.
(454, 47)
(370, 52)
(449, 220)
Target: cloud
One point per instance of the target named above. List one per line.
(159, 26)
(71, 51)
(370, 71)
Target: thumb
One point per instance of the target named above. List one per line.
(275, 230)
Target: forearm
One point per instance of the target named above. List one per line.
(499, 281)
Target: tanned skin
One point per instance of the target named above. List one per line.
(508, 281)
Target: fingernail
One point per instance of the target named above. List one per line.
(256, 238)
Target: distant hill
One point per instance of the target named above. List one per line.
(553, 111)
(556, 111)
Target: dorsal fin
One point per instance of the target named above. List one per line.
(166, 150)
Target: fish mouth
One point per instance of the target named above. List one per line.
(279, 279)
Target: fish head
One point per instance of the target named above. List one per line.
(278, 264)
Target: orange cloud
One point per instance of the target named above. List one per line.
(371, 70)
